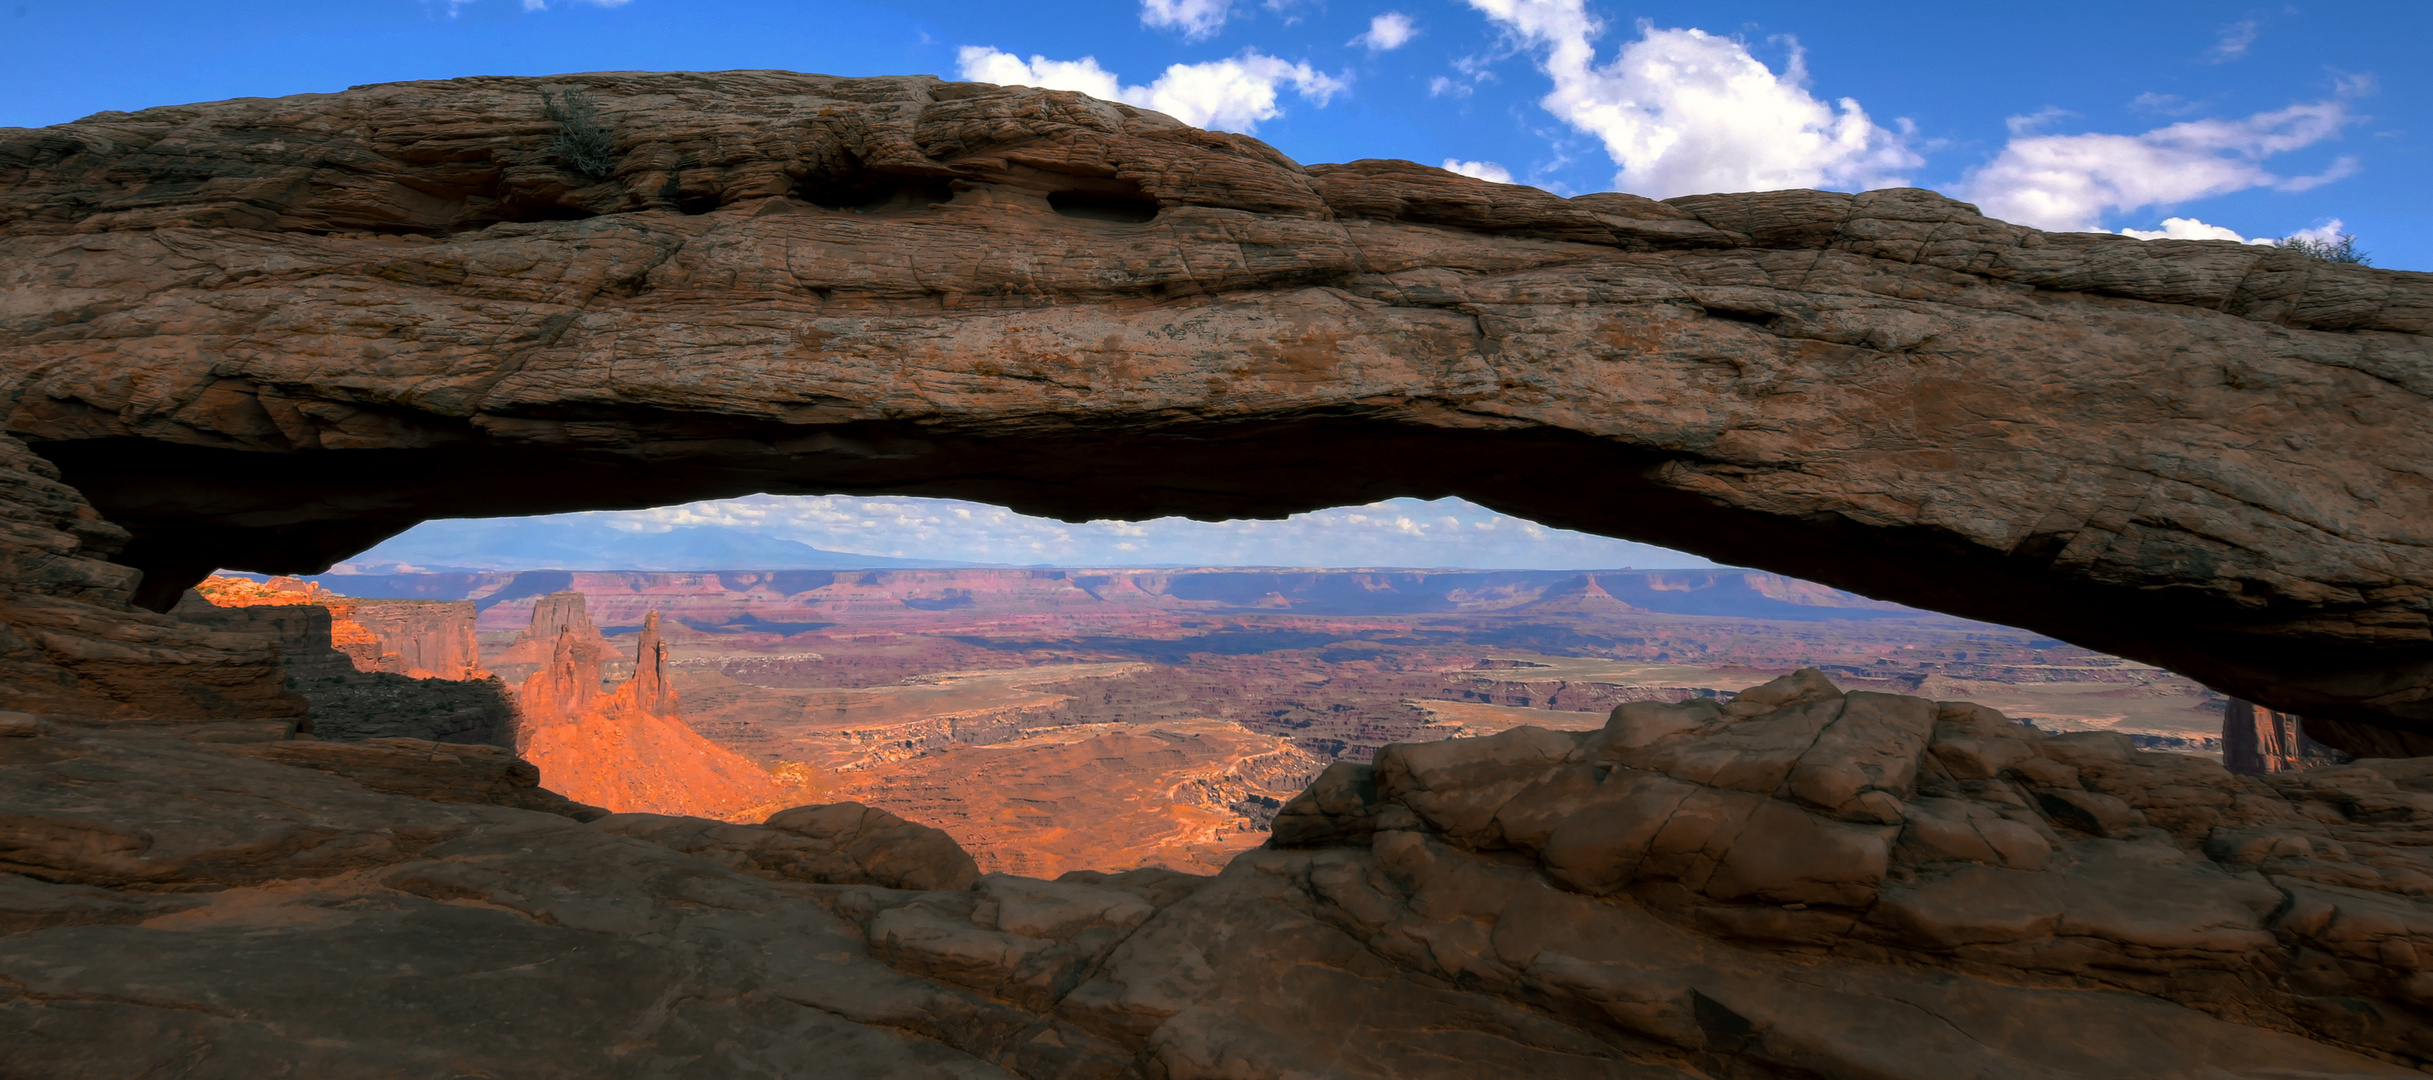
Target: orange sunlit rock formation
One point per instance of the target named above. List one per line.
(627, 749)
(423, 639)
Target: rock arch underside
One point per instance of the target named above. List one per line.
(267, 333)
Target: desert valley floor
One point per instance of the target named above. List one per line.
(1059, 720)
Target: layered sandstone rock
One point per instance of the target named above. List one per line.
(2257, 740)
(2204, 455)
(628, 749)
(70, 644)
(352, 690)
(833, 843)
(305, 634)
(1799, 883)
(421, 639)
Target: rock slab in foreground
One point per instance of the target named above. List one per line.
(1801, 883)
(266, 333)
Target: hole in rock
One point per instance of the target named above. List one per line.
(795, 650)
(873, 192)
(1742, 315)
(520, 211)
(1100, 205)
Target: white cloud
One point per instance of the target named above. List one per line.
(1387, 32)
(2032, 122)
(1440, 86)
(2233, 43)
(2068, 182)
(1236, 94)
(2182, 228)
(1195, 18)
(2326, 233)
(1483, 170)
(1230, 95)
(979, 63)
(1684, 111)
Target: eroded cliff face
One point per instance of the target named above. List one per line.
(1799, 883)
(2203, 455)
(420, 639)
(627, 748)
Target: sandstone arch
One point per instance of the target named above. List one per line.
(268, 332)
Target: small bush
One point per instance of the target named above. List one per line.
(2340, 250)
(582, 144)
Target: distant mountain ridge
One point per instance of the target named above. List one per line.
(802, 598)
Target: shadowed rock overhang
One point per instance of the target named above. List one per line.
(267, 333)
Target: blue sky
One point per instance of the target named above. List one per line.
(2204, 120)
(2263, 119)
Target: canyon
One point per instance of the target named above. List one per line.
(1057, 720)
(1392, 823)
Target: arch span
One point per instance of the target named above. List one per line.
(268, 332)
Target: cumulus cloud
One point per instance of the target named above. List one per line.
(1231, 95)
(1387, 32)
(2327, 233)
(2233, 42)
(1483, 170)
(979, 63)
(2182, 228)
(2068, 182)
(1196, 19)
(1685, 111)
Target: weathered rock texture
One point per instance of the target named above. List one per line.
(70, 644)
(349, 692)
(2257, 740)
(264, 333)
(422, 639)
(1801, 883)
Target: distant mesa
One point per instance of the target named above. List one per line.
(366, 668)
(627, 748)
(716, 602)
(422, 639)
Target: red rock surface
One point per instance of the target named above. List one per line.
(1689, 892)
(421, 639)
(629, 749)
(1118, 796)
(1886, 391)
(72, 645)
(1797, 882)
